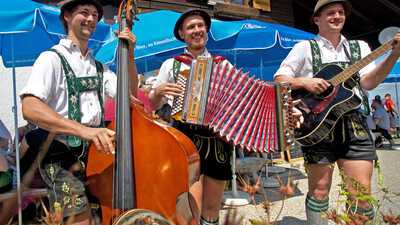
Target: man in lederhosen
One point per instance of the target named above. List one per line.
(192, 28)
(64, 95)
(350, 144)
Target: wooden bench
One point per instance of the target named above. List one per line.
(37, 193)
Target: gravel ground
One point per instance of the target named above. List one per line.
(293, 210)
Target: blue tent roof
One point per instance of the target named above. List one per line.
(27, 28)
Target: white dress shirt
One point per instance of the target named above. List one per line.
(298, 63)
(48, 82)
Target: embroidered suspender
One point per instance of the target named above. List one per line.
(175, 69)
(77, 85)
(355, 50)
(317, 58)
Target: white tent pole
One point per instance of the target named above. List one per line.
(16, 137)
(234, 185)
(397, 96)
(261, 68)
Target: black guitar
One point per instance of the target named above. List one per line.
(321, 112)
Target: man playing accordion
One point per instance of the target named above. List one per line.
(192, 28)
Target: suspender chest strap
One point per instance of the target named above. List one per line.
(355, 55)
(76, 86)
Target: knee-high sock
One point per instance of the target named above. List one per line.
(206, 222)
(315, 210)
(368, 212)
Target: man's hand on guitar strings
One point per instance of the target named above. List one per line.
(315, 85)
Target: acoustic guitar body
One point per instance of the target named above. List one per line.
(321, 112)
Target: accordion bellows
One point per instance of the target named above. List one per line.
(248, 112)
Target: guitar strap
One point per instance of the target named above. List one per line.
(317, 57)
(76, 86)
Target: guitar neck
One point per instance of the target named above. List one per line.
(354, 68)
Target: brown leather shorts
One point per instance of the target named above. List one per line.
(215, 154)
(66, 189)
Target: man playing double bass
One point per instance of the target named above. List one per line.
(192, 28)
(64, 95)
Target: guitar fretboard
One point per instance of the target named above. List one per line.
(354, 68)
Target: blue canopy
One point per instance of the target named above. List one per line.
(258, 47)
(394, 75)
(27, 28)
(155, 41)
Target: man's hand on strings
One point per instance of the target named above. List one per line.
(168, 89)
(127, 35)
(315, 85)
(102, 138)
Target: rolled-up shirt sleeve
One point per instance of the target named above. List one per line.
(165, 75)
(294, 61)
(44, 77)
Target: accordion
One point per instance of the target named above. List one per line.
(248, 112)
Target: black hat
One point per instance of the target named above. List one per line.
(71, 4)
(322, 3)
(193, 12)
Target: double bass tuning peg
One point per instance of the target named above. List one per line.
(134, 10)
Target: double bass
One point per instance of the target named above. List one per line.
(149, 176)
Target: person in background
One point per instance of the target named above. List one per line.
(350, 144)
(393, 114)
(382, 120)
(6, 174)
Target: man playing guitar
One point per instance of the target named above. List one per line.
(349, 144)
